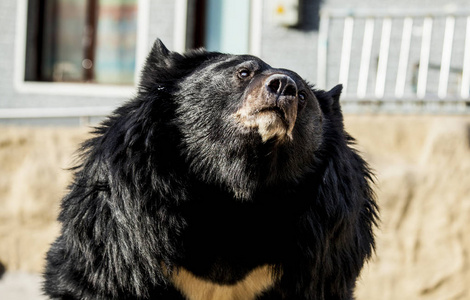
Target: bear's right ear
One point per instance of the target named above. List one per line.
(157, 67)
(159, 50)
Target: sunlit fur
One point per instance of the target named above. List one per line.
(173, 195)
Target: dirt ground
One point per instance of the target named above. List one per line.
(423, 186)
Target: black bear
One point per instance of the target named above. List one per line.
(224, 178)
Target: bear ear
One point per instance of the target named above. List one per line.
(329, 101)
(335, 92)
(159, 50)
(334, 95)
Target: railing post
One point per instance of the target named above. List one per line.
(446, 56)
(404, 57)
(465, 88)
(383, 58)
(424, 58)
(346, 52)
(365, 58)
(322, 62)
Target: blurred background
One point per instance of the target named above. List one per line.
(404, 64)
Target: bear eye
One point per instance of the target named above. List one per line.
(302, 96)
(244, 73)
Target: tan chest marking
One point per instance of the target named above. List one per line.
(194, 288)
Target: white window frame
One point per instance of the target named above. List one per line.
(77, 89)
(256, 24)
(179, 26)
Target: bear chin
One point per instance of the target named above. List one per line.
(269, 124)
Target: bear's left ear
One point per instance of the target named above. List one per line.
(335, 92)
(329, 101)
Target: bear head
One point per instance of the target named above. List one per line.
(242, 124)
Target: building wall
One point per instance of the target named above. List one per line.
(293, 48)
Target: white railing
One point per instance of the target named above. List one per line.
(374, 54)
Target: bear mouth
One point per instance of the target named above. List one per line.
(270, 122)
(276, 111)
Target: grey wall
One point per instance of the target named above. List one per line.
(293, 48)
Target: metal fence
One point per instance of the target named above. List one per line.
(397, 59)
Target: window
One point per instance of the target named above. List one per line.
(227, 25)
(221, 25)
(80, 41)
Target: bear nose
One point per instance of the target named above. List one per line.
(281, 85)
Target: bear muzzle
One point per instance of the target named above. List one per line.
(271, 107)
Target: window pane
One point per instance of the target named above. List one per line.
(227, 25)
(63, 41)
(116, 41)
(81, 41)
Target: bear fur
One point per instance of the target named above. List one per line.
(224, 178)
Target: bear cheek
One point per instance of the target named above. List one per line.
(311, 125)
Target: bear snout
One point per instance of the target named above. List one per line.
(280, 88)
(270, 107)
(280, 96)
